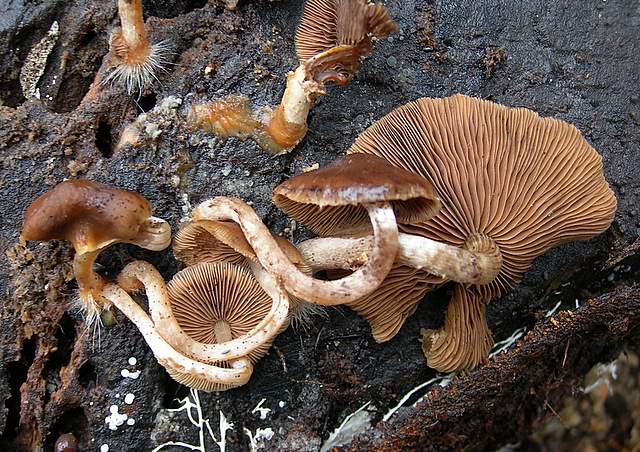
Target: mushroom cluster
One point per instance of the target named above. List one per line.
(331, 39)
(455, 190)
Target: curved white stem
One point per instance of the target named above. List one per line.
(168, 326)
(329, 293)
(450, 262)
(166, 355)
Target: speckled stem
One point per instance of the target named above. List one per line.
(329, 293)
(450, 262)
(132, 24)
(169, 357)
(168, 327)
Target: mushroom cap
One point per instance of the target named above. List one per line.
(88, 214)
(217, 302)
(215, 241)
(330, 200)
(223, 241)
(525, 182)
(387, 308)
(211, 241)
(330, 23)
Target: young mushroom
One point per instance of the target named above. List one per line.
(220, 241)
(513, 185)
(330, 41)
(93, 216)
(354, 194)
(135, 60)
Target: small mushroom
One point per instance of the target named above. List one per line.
(136, 61)
(215, 303)
(93, 216)
(220, 241)
(332, 38)
(139, 274)
(176, 362)
(512, 184)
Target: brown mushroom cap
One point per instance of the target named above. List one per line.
(510, 182)
(329, 200)
(329, 23)
(214, 303)
(88, 214)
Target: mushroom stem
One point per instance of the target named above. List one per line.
(473, 266)
(329, 293)
(132, 24)
(89, 285)
(169, 357)
(142, 272)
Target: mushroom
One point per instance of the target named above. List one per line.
(513, 185)
(330, 41)
(139, 274)
(216, 303)
(93, 216)
(342, 195)
(220, 241)
(136, 61)
(176, 362)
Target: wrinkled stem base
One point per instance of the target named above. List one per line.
(479, 264)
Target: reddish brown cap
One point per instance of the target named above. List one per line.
(330, 200)
(88, 214)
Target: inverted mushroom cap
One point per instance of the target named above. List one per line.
(525, 182)
(329, 200)
(329, 23)
(215, 303)
(90, 215)
(510, 181)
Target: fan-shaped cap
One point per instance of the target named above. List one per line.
(329, 23)
(329, 200)
(214, 303)
(508, 179)
(92, 216)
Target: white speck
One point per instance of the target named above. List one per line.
(131, 421)
(90, 403)
(264, 433)
(263, 411)
(282, 403)
(117, 395)
(126, 374)
(128, 399)
(104, 448)
(133, 361)
(115, 419)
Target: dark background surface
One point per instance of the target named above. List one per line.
(573, 60)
